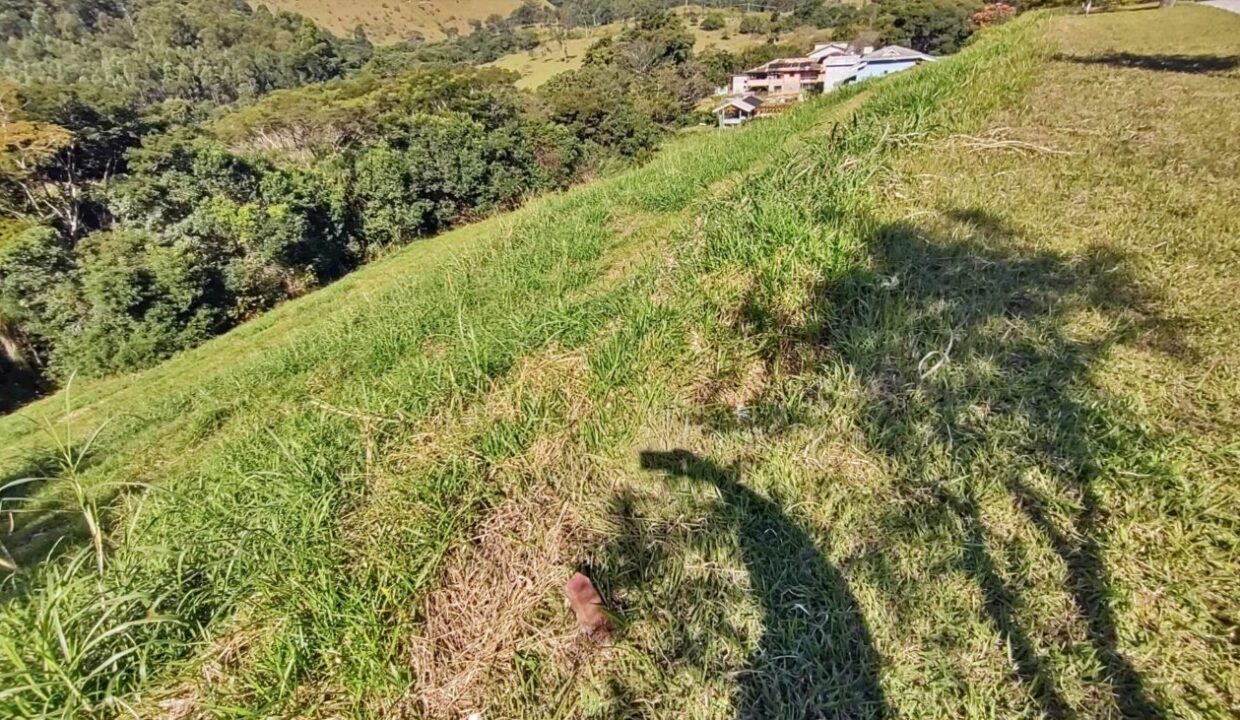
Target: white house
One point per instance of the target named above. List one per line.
(828, 67)
(838, 70)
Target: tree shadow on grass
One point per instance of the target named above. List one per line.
(976, 382)
(1190, 64)
(815, 658)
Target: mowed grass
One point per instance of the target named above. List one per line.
(988, 468)
(918, 401)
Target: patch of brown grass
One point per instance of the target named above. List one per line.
(499, 595)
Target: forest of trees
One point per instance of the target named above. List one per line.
(170, 168)
(936, 26)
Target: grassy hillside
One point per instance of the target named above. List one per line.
(389, 21)
(917, 401)
(539, 65)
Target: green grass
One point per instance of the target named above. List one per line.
(917, 401)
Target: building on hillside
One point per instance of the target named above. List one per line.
(890, 59)
(829, 66)
(738, 110)
(823, 51)
(783, 77)
(839, 70)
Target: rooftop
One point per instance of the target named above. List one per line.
(748, 103)
(897, 52)
(786, 65)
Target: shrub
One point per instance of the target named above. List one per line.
(753, 25)
(993, 14)
(35, 265)
(140, 297)
(712, 21)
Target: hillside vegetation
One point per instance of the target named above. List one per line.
(553, 56)
(915, 401)
(131, 229)
(169, 169)
(387, 21)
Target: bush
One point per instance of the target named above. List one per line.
(753, 25)
(141, 299)
(35, 292)
(596, 105)
(993, 14)
(712, 21)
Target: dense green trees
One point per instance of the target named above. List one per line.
(141, 53)
(932, 26)
(198, 237)
(844, 18)
(133, 230)
(600, 12)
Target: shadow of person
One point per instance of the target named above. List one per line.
(816, 658)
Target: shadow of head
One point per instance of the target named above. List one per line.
(1190, 64)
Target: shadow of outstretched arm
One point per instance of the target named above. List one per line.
(816, 657)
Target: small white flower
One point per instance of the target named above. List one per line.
(890, 283)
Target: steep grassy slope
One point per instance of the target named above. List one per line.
(917, 401)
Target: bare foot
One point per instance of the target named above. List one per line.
(587, 604)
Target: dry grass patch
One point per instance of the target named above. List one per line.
(500, 598)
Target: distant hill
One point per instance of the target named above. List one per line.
(388, 21)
